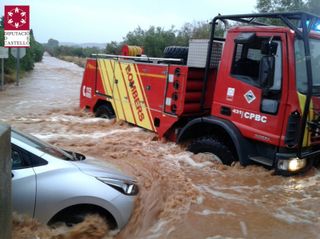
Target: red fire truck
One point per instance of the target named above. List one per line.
(250, 96)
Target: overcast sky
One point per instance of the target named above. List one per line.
(101, 21)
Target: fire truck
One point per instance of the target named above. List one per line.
(251, 95)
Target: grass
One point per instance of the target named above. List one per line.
(77, 60)
(9, 78)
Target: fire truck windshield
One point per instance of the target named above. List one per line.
(301, 72)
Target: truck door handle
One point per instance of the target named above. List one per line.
(225, 111)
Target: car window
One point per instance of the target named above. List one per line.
(17, 160)
(23, 159)
(43, 146)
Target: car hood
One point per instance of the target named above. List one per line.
(100, 169)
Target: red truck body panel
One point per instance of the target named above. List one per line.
(153, 96)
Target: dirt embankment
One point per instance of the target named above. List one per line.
(80, 61)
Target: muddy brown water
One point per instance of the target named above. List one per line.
(182, 195)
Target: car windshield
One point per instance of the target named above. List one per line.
(301, 72)
(43, 146)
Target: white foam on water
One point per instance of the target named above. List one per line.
(224, 195)
(157, 227)
(159, 230)
(306, 183)
(223, 237)
(75, 119)
(161, 148)
(301, 185)
(199, 200)
(186, 158)
(244, 228)
(207, 212)
(93, 135)
(290, 218)
(64, 118)
(241, 189)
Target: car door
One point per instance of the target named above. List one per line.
(23, 183)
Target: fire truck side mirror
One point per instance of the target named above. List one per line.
(266, 71)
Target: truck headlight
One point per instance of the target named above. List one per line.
(124, 186)
(292, 165)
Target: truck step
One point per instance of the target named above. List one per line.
(262, 160)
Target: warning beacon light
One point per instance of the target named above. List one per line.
(315, 26)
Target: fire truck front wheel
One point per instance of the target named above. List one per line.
(214, 146)
(104, 111)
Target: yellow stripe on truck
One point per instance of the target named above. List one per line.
(107, 81)
(123, 94)
(135, 93)
(123, 83)
(307, 135)
(145, 97)
(104, 77)
(111, 64)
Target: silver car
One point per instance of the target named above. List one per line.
(54, 185)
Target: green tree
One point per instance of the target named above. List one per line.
(113, 48)
(314, 6)
(153, 40)
(195, 30)
(88, 51)
(52, 43)
(280, 5)
(51, 46)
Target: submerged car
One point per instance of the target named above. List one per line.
(54, 185)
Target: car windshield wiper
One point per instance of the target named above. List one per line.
(75, 156)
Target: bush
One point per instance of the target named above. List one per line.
(33, 54)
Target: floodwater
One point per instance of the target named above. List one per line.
(181, 195)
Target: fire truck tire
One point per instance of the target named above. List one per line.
(104, 111)
(214, 146)
(176, 52)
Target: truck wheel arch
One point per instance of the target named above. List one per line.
(102, 103)
(211, 125)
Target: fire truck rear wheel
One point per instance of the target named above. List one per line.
(214, 146)
(104, 111)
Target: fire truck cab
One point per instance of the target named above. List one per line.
(252, 96)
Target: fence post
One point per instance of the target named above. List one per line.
(5, 182)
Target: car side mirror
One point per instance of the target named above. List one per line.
(266, 71)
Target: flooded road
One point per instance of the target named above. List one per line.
(182, 195)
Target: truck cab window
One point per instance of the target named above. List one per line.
(301, 70)
(246, 63)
